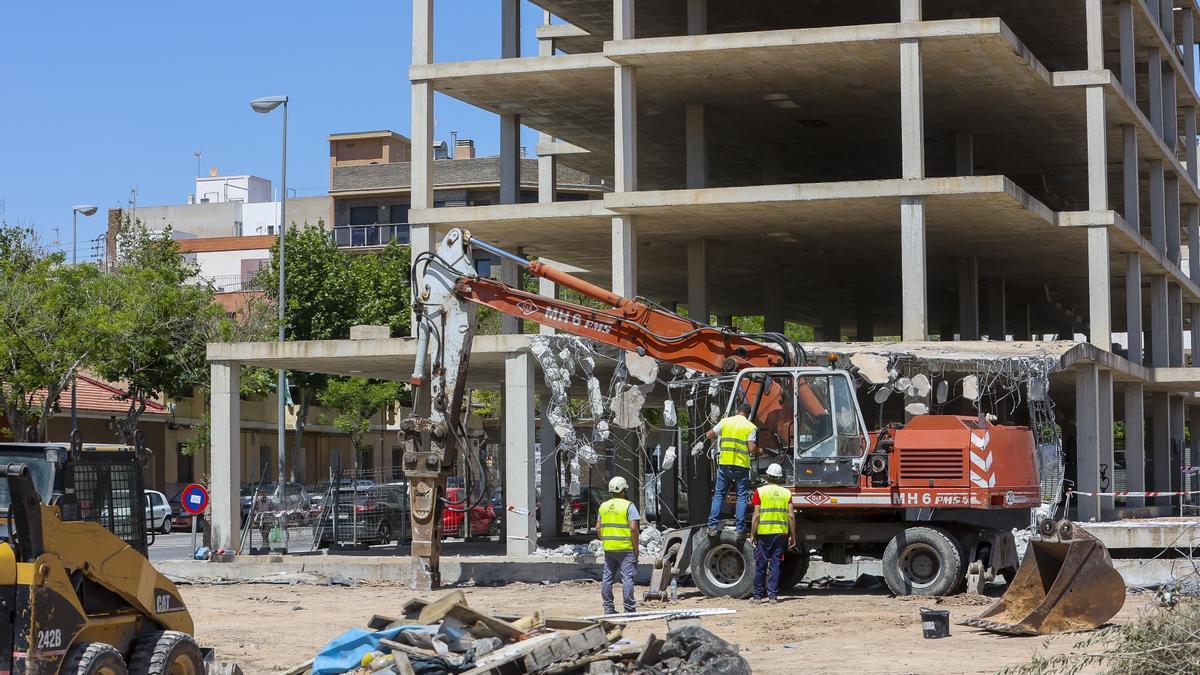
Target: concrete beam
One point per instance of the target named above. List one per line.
(1087, 439)
(518, 454)
(697, 281)
(968, 299)
(225, 472)
(1135, 442)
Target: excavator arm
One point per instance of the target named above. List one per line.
(446, 290)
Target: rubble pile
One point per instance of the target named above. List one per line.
(448, 636)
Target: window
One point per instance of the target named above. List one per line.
(397, 467)
(184, 465)
(364, 215)
(398, 213)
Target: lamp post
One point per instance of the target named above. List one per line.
(86, 210)
(265, 105)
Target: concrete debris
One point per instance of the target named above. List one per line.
(565, 551)
(595, 400)
(627, 407)
(943, 392)
(917, 408)
(921, 385)
(601, 433)
(668, 461)
(882, 394)
(448, 636)
(872, 367)
(970, 385)
(669, 418)
(650, 542)
(644, 368)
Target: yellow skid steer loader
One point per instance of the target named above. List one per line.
(77, 592)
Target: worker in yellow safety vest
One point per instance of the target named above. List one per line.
(773, 532)
(735, 447)
(617, 527)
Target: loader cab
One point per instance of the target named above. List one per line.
(812, 416)
(100, 483)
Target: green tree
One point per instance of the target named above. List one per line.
(158, 324)
(358, 400)
(49, 315)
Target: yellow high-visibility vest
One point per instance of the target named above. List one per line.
(614, 525)
(773, 509)
(736, 434)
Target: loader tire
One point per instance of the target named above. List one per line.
(723, 566)
(94, 658)
(795, 566)
(166, 653)
(923, 561)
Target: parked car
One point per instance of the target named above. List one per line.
(482, 516)
(294, 498)
(316, 497)
(586, 506)
(158, 512)
(372, 515)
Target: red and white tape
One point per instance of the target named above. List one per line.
(1133, 494)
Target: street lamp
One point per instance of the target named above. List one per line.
(86, 210)
(265, 105)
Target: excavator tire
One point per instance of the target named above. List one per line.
(94, 658)
(723, 566)
(795, 566)
(167, 653)
(923, 561)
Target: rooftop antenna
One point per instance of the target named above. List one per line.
(197, 154)
(132, 204)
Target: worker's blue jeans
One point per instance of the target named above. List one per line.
(727, 477)
(769, 550)
(625, 564)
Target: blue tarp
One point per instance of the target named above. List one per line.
(345, 651)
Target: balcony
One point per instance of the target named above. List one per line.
(380, 234)
(232, 283)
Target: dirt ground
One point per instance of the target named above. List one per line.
(268, 628)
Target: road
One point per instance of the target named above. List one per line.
(174, 546)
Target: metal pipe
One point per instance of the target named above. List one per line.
(497, 251)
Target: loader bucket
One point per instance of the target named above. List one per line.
(1065, 583)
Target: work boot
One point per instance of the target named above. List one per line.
(774, 601)
(610, 610)
(714, 532)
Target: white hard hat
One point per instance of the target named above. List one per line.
(617, 484)
(775, 471)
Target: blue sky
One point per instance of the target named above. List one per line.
(101, 96)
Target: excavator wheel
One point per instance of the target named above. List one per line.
(94, 658)
(167, 653)
(924, 561)
(723, 566)
(795, 566)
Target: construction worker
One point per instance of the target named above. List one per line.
(618, 528)
(736, 445)
(773, 532)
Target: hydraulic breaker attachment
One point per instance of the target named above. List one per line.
(1065, 583)
(673, 562)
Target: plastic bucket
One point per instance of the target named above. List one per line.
(935, 623)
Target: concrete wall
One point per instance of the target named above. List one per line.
(245, 189)
(192, 221)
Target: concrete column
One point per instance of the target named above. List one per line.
(1194, 316)
(1107, 456)
(1133, 306)
(1087, 438)
(725, 320)
(773, 316)
(1193, 228)
(1188, 29)
(1022, 329)
(1161, 442)
(547, 501)
(1135, 442)
(421, 238)
(864, 324)
(912, 108)
(1158, 205)
(510, 29)
(518, 454)
(1094, 11)
(968, 299)
(1189, 142)
(831, 317)
(913, 272)
(510, 125)
(1132, 183)
(547, 289)
(1170, 110)
(997, 318)
(624, 256)
(1128, 53)
(697, 17)
(1175, 317)
(697, 286)
(547, 174)
(696, 147)
(1160, 326)
(964, 153)
(624, 104)
(1155, 69)
(510, 274)
(1167, 20)
(422, 107)
(1173, 225)
(1099, 276)
(225, 474)
(1178, 445)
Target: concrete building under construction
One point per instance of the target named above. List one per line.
(969, 170)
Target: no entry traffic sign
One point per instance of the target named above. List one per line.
(194, 499)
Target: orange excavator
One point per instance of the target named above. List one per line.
(936, 499)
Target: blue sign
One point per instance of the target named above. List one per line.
(194, 499)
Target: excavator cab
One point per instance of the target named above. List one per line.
(809, 421)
